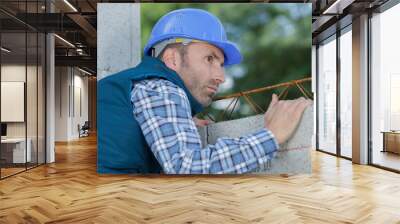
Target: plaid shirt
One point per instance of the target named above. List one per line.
(163, 112)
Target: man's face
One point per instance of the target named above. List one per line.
(202, 71)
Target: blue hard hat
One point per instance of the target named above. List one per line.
(194, 24)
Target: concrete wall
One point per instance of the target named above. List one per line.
(293, 157)
(117, 48)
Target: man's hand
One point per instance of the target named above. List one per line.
(201, 122)
(283, 116)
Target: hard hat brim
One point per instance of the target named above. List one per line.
(231, 52)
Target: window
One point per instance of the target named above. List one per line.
(327, 95)
(346, 92)
(385, 88)
(22, 77)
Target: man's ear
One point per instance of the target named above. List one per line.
(172, 58)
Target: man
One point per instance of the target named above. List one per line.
(180, 74)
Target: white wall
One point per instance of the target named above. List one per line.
(16, 72)
(70, 83)
(61, 103)
(79, 117)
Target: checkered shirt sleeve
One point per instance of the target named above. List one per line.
(163, 112)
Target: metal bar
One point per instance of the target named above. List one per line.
(26, 92)
(37, 92)
(308, 94)
(17, 19)
(316, 96)
(251, 99)
(369, 79)
(338, 117)
(237, 100)
(45, 95)
(302, 91)
(209, 116)
(262, 89)
(251, 104)
(283, 92)
(91, 5)
(222, 113)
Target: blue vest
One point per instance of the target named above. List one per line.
(122, 147)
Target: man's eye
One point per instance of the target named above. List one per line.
(210, 59)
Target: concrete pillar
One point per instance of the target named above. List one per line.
(50, 91)
(360, 90)
(118, 37)
(50, 99)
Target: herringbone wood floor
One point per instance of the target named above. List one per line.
(70, 191)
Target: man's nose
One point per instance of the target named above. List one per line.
(220, 75)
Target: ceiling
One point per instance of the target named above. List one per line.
(75, 23)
